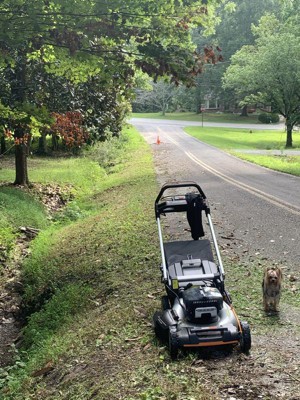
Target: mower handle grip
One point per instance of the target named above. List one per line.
(174, 185)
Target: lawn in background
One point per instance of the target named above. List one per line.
(231, 140)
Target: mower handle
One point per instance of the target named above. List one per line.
(174, 185)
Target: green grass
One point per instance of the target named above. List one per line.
(230, 138)
(287, 164)
(207, 117)
(17, 208)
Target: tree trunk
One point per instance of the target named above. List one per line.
(244, 112)
(55, 139)
(42, 148)
(21, 151)
(2, 145)
(22, 144)
(289, 136)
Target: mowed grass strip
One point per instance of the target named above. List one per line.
(231, 140)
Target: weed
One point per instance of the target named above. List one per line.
(109, 153)
(72, 212)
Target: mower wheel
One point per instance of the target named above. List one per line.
(173, 344)
(165, 303)
(245, 340)
(160, 333)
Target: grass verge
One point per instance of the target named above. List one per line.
(284, 163)
(245, 139)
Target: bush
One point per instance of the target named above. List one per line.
(268, 118)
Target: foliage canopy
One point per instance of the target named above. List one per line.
(268, 71)
(49, 48)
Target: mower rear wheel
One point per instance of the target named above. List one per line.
(245, 340)
(173, 343)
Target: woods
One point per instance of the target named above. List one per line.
(57, 60)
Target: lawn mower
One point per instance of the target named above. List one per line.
(197, 311)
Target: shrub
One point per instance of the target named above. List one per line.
(268, 118)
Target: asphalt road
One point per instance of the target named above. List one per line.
(256, 207)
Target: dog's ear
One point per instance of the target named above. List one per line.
(279, 273)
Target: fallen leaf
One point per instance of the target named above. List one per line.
(43, 371)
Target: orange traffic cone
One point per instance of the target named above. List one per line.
(157, 140)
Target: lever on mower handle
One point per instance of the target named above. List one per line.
(175, 185)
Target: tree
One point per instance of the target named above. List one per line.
(231, 33)
(268, 71)
(159, 97)
(83, 39)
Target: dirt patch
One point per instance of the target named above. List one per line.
(54, 199)
(9, 327)
(10, 301)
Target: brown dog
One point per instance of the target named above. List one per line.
(271, 286)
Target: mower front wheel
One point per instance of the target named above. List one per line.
(173, 343)
(245, 340)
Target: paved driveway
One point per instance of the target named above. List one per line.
(260, 207)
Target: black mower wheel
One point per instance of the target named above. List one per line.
(157, 327)
(160, 332)
(173, 343)
(245, 340)
(165, 303)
